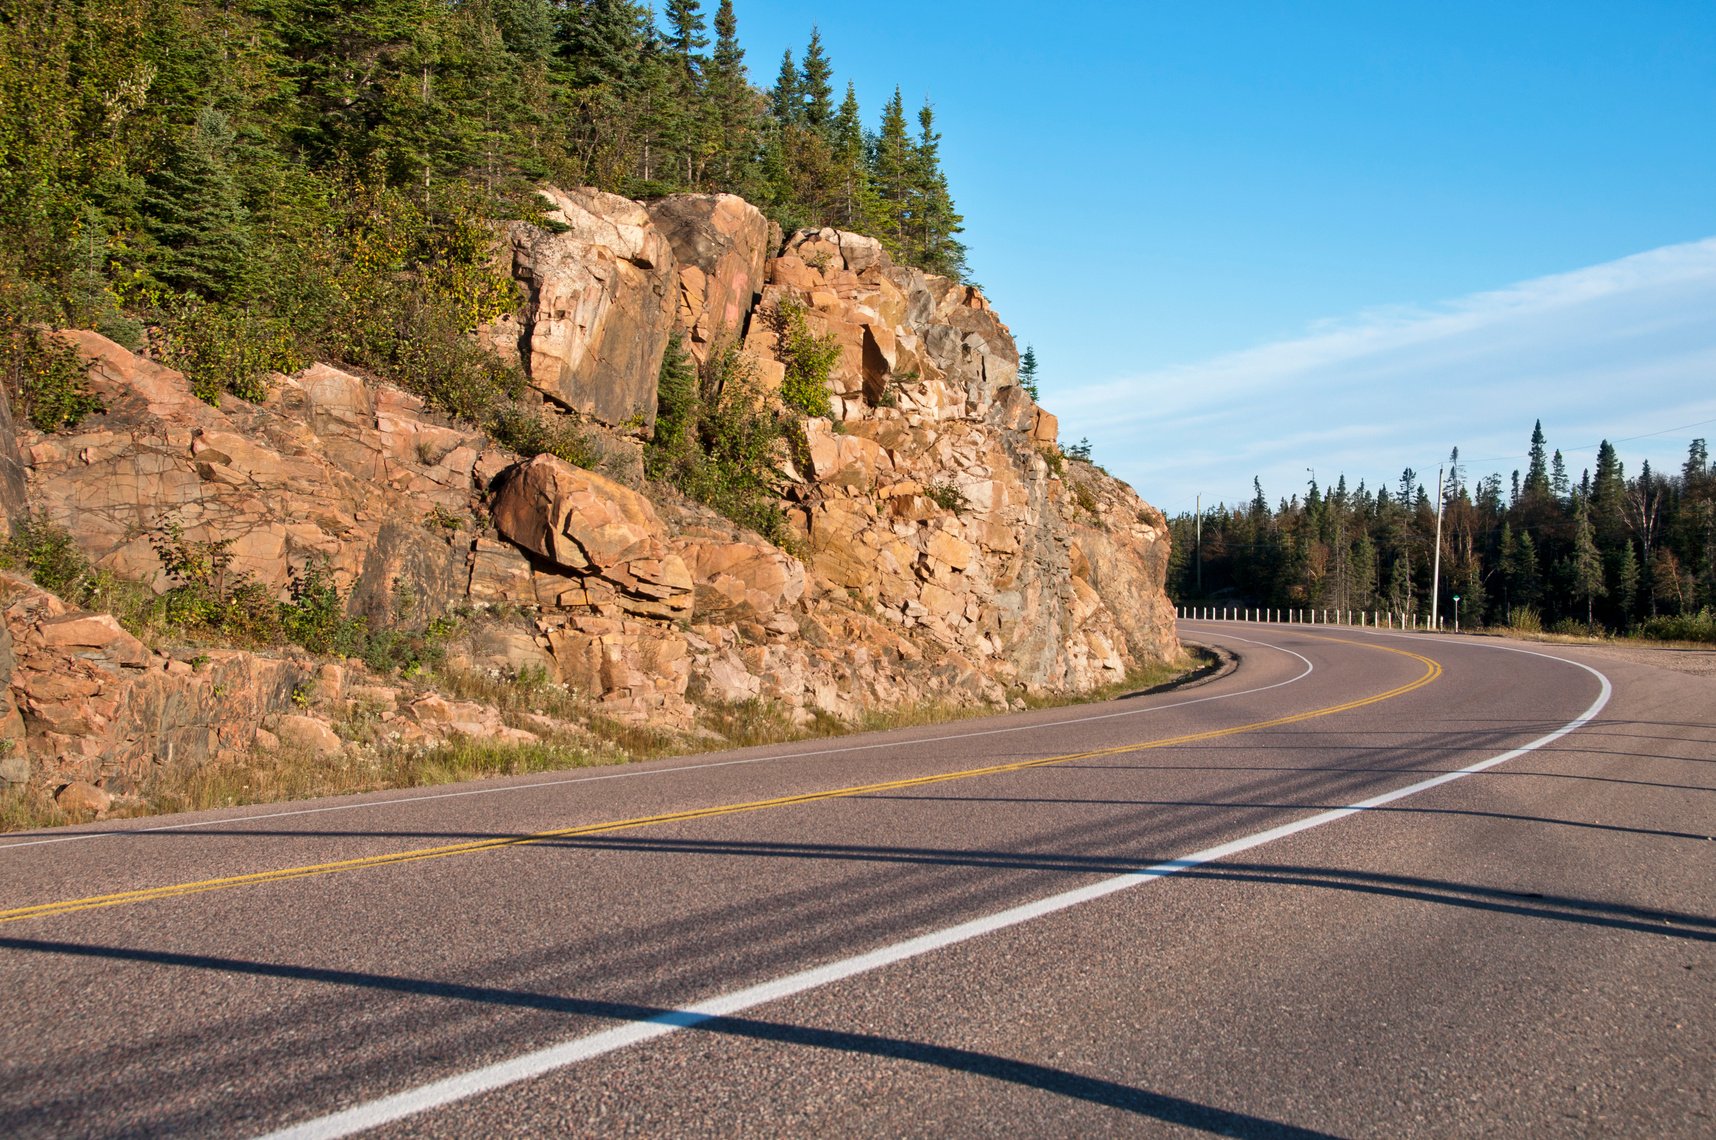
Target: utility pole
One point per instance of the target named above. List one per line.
(1436, 573)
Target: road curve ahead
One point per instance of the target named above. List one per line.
(1366, 884)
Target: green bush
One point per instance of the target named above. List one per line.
(224, 347)
(51, 557)
(47, 378)
(530, 432)
(716, 441)
(1700, 626)
(948, 497)
(809, 359)
(1525, 619)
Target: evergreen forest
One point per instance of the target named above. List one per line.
(1603, 554)
(239, 186)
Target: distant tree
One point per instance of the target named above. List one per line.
(1586, 565)
(732, 102)
(785, 100)
(891, 175)
(685, 39)
(934, 219)
(1537, 474)
(1559, 485)
(856, 206)
(1626, 578)
(1697, 467)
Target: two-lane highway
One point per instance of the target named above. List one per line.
(1365, 884)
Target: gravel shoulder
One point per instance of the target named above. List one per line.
(1693, 662)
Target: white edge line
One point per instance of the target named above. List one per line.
(438, 1093)
(637, 773)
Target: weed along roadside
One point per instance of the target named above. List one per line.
(369, 759)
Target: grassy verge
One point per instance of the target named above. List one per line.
(590, 739)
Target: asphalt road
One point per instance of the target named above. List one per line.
(1146, 917)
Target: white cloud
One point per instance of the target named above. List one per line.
(1610, 351)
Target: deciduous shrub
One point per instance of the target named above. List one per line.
(46, 378)
(1700, 626)
(809, 359)
(716, 441)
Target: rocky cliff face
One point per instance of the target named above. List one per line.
(944, 549)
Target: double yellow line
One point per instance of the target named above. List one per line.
(1432, 670)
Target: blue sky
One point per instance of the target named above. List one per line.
(1256, 238)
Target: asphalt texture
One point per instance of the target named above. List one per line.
(1528, 950)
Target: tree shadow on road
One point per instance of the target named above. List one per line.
(1059, 1082)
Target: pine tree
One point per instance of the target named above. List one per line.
(785, 102)
(891, 175)
(1626, 590)
(685, 40)
(1585, 567)
(1559, 485)
(733, 103)
(935, 250)
(527, 26)
(857, 205)
(1028, 377)
(1697, 468)
(1537, 474)
(815, 93)
(193, 212)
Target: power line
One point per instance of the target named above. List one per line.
(1599, 443)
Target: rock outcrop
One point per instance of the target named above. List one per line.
(600, 300)
(944, 550)
(722, 245)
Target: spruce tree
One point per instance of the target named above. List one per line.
(1585, 565)
(733, 104)
(891, 175)
(685, 40)
(1626, 577)
(1559, 485)
(784, 100)
(814, 90)
(935, 220)
(1028, 376)
(1537, 474)
(193, 212)
(857, 205)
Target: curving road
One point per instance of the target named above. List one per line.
(1363, 885)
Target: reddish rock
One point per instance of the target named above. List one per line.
(591, 526)
(602, 303)
(308, 733)
(80, 798)
(722, 244)
(94, 635)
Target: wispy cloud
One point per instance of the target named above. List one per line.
(1610, 351)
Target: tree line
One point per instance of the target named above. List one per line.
(242, 185)
(1603, 553)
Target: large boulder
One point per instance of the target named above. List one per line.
(722, 244)
(604, 537)
(601, 296)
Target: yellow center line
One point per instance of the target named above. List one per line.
(1432, 670)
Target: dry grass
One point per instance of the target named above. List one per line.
(1141, 680)
(375, 763)
(28, 808)
(290, 774)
